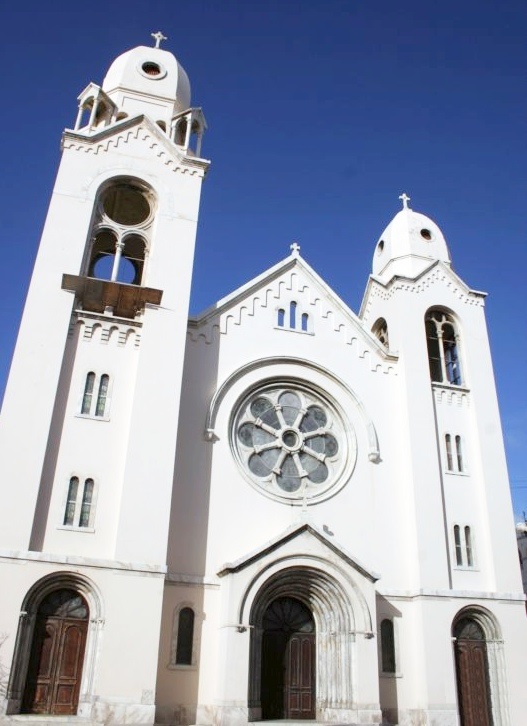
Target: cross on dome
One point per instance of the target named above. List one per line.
(295, 248)
(405, 199)
(158, 37)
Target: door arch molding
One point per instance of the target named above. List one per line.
(487, 624)
(26, 629)
(335, 618)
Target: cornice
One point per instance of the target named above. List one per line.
(437, 274)
(140, 129)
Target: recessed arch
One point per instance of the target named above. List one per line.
(337, 612)
(480, 668)
(36, 595)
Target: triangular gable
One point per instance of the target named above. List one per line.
(435, 268)
(260, 290)
(140, 129)
(290, 534)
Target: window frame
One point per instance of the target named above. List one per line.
(441, 363)
(95, 396)
(77, 505)
(196, 637)
(394, 621)
(464, 548)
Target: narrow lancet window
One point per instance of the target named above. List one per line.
(86, 506)
(88, 393)
(292, 315)
(71, 503)
(449, 460)
(468, 547)
(304, 322)
(102, 395)
(281, 318)
(185, 637)
(457, 543)
(387, 647)
(459, 454)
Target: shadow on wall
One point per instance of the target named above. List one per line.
(387, 619)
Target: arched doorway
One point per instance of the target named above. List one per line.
(472, 673)
(288, 661)
(57, 654)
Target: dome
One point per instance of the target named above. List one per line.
(408, 244)
(152, 73)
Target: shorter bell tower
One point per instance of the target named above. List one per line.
(91, 409)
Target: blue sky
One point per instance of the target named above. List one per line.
(320, 114)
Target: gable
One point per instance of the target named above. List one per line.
(306, 537)
(291, 297)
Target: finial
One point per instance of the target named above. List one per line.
(158, 37)
(295, 249)
(405, 199)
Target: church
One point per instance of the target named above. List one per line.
(277, 511)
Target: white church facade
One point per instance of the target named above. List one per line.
(276, 510)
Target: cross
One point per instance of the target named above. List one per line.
(158, 37)
(405, 199)
(295, 248)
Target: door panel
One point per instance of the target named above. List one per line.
(472, 678)
(56, 658)
(300, 676)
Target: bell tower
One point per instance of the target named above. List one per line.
(91, 409)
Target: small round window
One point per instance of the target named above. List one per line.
(292, 444)
(126, 204)
(152, 70)
(426, 234)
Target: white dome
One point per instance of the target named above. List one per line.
(150, 72)
(408, 245)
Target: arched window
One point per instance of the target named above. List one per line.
(185, 636)
(387, 646)
(88, 393)
(464, 546)
(292, 315)
(71, 502)
(79, 510)
(459, 454)
(449, 460)
(91, 405)
(457, 544)
(281, 318)
(380, 330)
(305, 319)
(121, 231)
(443, 352)
(102, 395)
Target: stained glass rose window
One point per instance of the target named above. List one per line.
(290, 442)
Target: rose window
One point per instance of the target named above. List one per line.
(290, 442)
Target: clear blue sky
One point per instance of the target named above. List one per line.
(320, 114)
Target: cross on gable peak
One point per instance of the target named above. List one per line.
(295, 248)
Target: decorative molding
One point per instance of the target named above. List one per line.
(116, 137)
(284, 289)
(450, 396)
(435, 275)
(112, 332)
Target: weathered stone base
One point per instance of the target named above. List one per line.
(98, 712)
(240, 715)
(421, 717)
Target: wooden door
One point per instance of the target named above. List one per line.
(299, 684)
(288, 661)
(472, 675)
(57, 655)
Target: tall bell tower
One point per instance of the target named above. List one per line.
(90, 415)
